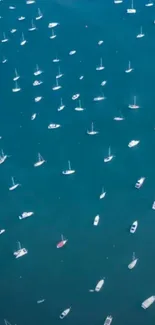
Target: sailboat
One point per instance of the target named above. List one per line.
(40, 161)
(37, 71)
(21, 18)
(65, 313)
(100, 67)
(103, 83)
(109, 157)
(68, 171)
(103, 193)
(141, 34)
(62, 106)
(40, 15)
(5, 39)
(33, 27)
(131, 10)
(16, 88)
(38, 99)
(23, 41)
(52, 25)
(62, 242)
(53, 35)
(79, 108)
(92, 132)
(133, 263)
(30, 2)
(129, 69)
(59, 75)
(4, 60)
(16, 75)
(20, 252)
(134, 105)
(13, 30)
(14, 185)
(56, 60)
(72, 52)
(118, 1)
(3, 157)
(149, 4)
(119, 118)
(57, 86)
(98, 98)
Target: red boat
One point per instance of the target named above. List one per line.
(62, 242)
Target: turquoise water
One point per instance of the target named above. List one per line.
(68, 205)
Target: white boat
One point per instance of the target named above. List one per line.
(153, 205)
(12, 7)
(21, 18)
(25, 215)
(96, 220)
(59, 75)
(53, 35)
(100, 42)
(33, 26)
(133, 227)
(62, 106)
(57, 86)
(14, 185)
(3, 157)
(5, 39)
(75, 96)
(40, 161)
(72, 52)
(52, 25)
(109, 157)
(4, 60)
(133, 263)
(30, 2)
(56, 60)
(118, 118)
(23, 40)
(103, 193)
(81, 77)
(37, 83)
(92, 131)
(140, 182)
(38, 99)
(108, 319)
(79, 108)
(100, 67)
(131, 10)
(65, 313)
(13, 30)
(33, 117)
(62, 242)
(2, 231)
(68, 171)
(99, 285)
(133, 143)
(97, 99)
(40, 301)
(40, 15)
(118, 1)
(129, 69)
(37, 71)
(134, 105)
(148, 302)
(20, 252)
(141, 34)
(103, 83)
(16, 75)
(53, 126)
(149, 4)
(16, 88)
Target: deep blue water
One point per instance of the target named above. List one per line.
(68, 205)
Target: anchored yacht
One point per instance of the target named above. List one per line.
(96, 220)
(13, 30)
(57, 86)
(134, 105)
(129, 69)
(25, 215)
(65, 313)
(16, 88)
(100, 67)
(72, 52)
(109, 157)
(5, 39)
(133, 227)
(3, 157)
(40, 15)
(140, 182)
(20, 252)
(79, 108)
(149, 4)
(99, 285)
(131, 10)
(109, 318)
(133, 143)
(2, 231)
(53, 35)
(100, 42)
(37, 83)
(14, 185)
(99, 98)
(92, 131)
(153, 205)
(68, 171)
(103, 193)
(59, 75)
(52, 25)
(37, 71)
(21, 18)
(62, 106)
(4, 60)
(141, 34)
(33, 117)
(38, 99)
(62, 242)
(133, 263)
(56, 60)
(33, 26)
(75, 96)
(30, 2)
(23, 40)
(103, 83)
(148, 302)
(16, 75)
(54, 126)
(40, 161)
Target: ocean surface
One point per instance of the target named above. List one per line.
(68, 204)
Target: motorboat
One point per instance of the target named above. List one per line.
(13, 30)
(62, 106)
(133, 263)
(25, 215)
(23, 40)
(100, 42)
(133, 143)
(108, 319)
(37, 83)
(92, 131)
(103, 193)
(75, 96)
(109, 157)
(100, 67)
(68, 171)
(62, 242)
(4, 60)
(53, 126)
(38, 99)
(53, 35)
(20, 252)
(37, 71)
(16, 89)
(139, 182)
(40, 161)
(103, 83)
(33, 117)
(99, 285)
(56, 60)
(33, 26)
(59, 75)
(131, 10)
(141, 34)
(81, 77)
(16, 75)
(134, 105)
(149, 4)
(21, 18)
(79, 108)
(98, 98)
(5, 39)
(14, 185)
(153, 205)
(57, 86)
(96, 220)
(65, 313)
(2, 231)
(52, 25)
(118, 118)
(72, 52)
(148, 302)
(129, 69)
(30, 2)
(12, 7)
(3, 157)
(40, 15)
(133, 227)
